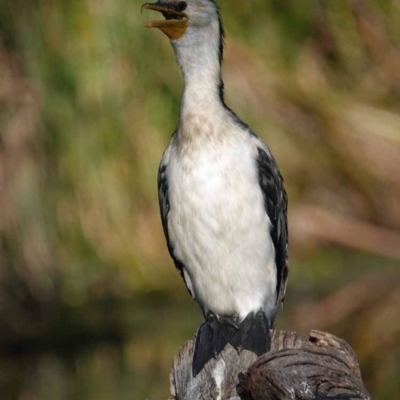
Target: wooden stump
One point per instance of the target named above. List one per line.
(319, 366)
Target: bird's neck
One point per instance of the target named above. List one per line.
(199, 60)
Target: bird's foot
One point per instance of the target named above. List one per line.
(217, 331)
(253, 334)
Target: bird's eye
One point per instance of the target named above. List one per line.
(182, 5)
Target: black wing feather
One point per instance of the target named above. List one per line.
(275, 201)
(163, 199)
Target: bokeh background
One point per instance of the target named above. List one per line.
(90, 304)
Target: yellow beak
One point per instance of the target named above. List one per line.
(175, 24)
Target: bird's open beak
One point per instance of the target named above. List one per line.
(175, 23)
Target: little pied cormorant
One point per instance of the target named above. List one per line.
(222, 200)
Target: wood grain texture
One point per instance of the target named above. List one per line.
(320, 366)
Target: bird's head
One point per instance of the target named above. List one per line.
(183, 17)
(196, 34)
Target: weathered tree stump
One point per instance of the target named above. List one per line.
(319, 366)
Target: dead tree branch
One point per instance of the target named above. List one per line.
(320, 367)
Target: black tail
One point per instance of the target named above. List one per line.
(216, 332)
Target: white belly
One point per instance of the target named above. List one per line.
(220, 231)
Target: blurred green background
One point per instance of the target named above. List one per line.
(90, 304)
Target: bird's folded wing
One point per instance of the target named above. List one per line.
(275, 201)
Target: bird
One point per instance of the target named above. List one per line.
(222, 199)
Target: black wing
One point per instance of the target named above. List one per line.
(163, 199)
(275, 201)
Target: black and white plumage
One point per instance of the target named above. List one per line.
(222, 200)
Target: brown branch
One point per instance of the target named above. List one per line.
(348, 299)
(319, 366)
(321, 225)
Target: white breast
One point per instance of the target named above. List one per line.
(219, 228)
